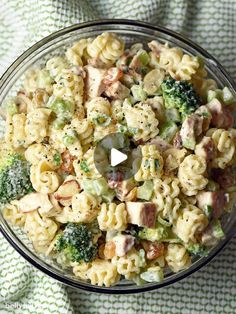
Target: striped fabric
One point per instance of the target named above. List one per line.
(210, 23)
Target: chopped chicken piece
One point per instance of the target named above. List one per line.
(126, 190)
(117, 91)
(112, 75)
(208, 238)
(123, 243)
(177, 141)
(206, 148)
(191, 128)
(66, 191)
(217, 200)
(221, 116)
(161, 144)
(142, 214)
(94, 81)
(206, 115)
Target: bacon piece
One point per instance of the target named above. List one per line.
(67, 162)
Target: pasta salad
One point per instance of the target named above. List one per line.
(106, 229)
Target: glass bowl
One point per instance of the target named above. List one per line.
(131, 32)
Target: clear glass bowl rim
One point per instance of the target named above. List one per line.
(30, 256)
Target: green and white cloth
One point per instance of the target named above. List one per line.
(210, 23)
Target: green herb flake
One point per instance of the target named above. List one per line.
(57, 159)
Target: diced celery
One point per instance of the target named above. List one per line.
(84, 167)
(157, 234)
(144, 192)
(108, 196)
(217, 229)
(197, 249)
(153, 274)
(172, 114)
(11, 108)
(70, 137)
(128, 102)
(168, 131)
(213, 94)
(102, 120)
(224, 95)
(227, 96)
(138, 93)
(189, 143)
(98, 187)
(138, 280)
(143, 57)
(142, 260)
(43, 78)
(59, 123)
(63, 110)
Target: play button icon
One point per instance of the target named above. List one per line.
(114, 156)
(117, 157)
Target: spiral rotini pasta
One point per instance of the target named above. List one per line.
(165, 196)
(97, 108)
(190, 223)
(40, 230)
(101, 131)
(81, 270)
(130, 264)
(15, 134)
(38, 78)
(84, 129)
(225, 146)
(77, 54)
(102, 273)
(86, 166)
(69, 87)
(112, 217)
(177, 257)
(56, 66)
(36, 125)
(187, 67)
(107, 48)
(43, 179)
(191, 174)
(141, 121)
(151, 164)
(55, 139)
(13, 215)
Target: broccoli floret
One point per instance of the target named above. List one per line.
(180, 95)
(76, 243)
(14, 177)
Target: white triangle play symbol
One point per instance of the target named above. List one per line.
(117, 157)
